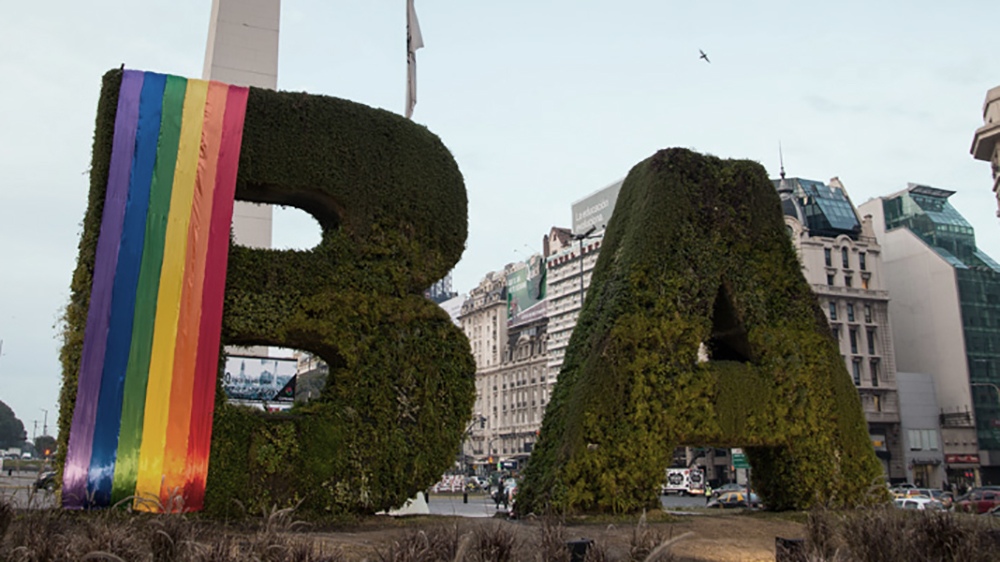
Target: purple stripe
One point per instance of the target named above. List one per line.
(81, 435)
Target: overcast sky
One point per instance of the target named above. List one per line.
(541, 102)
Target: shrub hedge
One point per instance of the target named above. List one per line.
(391, 203)
(696, 252)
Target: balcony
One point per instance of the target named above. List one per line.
(957, 419)
(871, 416)
(837, 290)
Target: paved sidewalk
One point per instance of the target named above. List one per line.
(479, 505)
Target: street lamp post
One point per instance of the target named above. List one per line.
(580, 238)
(481, 420)
(991, 385)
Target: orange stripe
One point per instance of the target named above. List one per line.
(182, 385)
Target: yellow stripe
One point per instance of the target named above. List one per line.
(161, 364)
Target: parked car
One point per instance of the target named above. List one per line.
(734, 499)
(945, 497)
(731, 487)
(46, 481)
(979, 500)
(919, 502)
(915, 493)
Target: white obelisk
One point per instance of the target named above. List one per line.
(243, 50)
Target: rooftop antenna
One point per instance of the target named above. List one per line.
(781, 159)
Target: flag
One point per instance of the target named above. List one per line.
(414, 41)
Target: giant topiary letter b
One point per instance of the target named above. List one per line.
(152, 303)
(696, 253)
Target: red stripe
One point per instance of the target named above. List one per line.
(207, 364)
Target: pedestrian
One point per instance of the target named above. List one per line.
(500, 495)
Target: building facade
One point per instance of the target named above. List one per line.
(569, 263)
(842, 261)
(946, 320)
(570, 256)
(484, 320)
(984, 143)
(920, 420)
(512, 386)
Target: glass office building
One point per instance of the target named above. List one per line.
(926, 212)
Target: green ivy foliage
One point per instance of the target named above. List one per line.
(391, 203)
(695, 252)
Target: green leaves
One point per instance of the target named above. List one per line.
(696, 252)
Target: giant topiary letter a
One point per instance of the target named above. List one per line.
(696, 253)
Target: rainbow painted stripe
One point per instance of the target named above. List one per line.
(142, 425)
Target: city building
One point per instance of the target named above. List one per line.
(484, 320)
(570, 256)
(505, 320)
(920, 422)
(842, 261)
(511, 397)
(984, 143)
(441, 291)
(946, 320)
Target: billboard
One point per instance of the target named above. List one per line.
(595, 209)
(525, 288)
(259, 379)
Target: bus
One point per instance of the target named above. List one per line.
(684, 481)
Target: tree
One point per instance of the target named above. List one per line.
(12, 432)
(45, 445)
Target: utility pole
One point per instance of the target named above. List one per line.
(45, 423)
(34, 432)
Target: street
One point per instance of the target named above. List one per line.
(18, 490)
(480, 505)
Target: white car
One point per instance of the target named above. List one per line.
(918, 502)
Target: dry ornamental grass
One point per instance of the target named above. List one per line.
(869, 535)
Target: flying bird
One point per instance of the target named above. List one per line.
(704, 56)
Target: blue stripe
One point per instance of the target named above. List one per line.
(102, 460)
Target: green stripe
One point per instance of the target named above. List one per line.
(136, 375)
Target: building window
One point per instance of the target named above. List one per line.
(930, 439)
(874, 372)
(856, 369)
(848, 281)
(833, 310)
(864, 283)
(871, 341)
(850, 312)
(829, 279)
(844, 257)
(836, 333)
(861, 262)
(854, 340)
(877, 402)
(868, 314)
(828, 257)
(922, 439)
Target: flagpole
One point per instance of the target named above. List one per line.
(414, 41)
